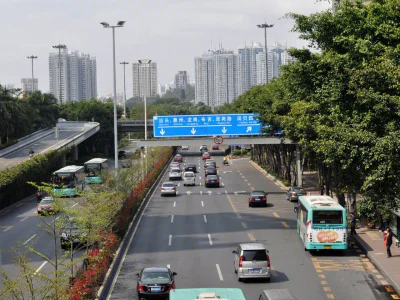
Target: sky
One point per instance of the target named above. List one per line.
(169, 32)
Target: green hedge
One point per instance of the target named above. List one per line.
(13, 181)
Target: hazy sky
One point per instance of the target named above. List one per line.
(170, 32)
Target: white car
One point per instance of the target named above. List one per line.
(175, 173)
(168, 188)
(185, 148)
(189, 178)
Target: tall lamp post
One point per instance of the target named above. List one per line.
(32, 58)
(106, 25)
(59, 47)
(124, 63)
(265, 26)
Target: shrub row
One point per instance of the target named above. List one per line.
(13, 181)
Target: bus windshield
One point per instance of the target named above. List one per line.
(327, 217)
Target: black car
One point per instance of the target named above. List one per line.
(191, 168)
(71, 234)
(258, 198)
(210, 171)
(211, 180)
(155, 283)
(121, 154)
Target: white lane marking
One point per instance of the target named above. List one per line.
(75, 204)
(172, 219)
(200, 184)
(6, 228)
(226, 192)
(201, 192)
(178, 184)
(170, 240)
(23, 219)
(202, 203)
(41, 266)
(177, 192)
(199, 177)
(174, 203)
(209, 238)
(27, 241)
(205, 218)
(219, 273)
(188, 193)
(244, 225)
(222, 184)
(209, 192)
(68, 138)
(169, 266)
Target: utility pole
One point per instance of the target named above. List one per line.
(124, 63)
(59, 47)
(32, 58)
(265, 26)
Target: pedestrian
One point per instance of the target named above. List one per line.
(388, 240)
(322, 189)
(38, 196)
(353, 224)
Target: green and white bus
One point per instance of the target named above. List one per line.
(96, 169)
(67, 180)
(207, 293)
(321, 223)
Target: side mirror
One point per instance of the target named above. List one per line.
(174, 274)
(234, 252)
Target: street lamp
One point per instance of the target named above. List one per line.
(59, 47)
(106, 25)
(265, 26)
(124, 63)
(32, 58)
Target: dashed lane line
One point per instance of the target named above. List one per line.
(205, 218)
(202, 203)
(41, 267)
(27, 241)
(276, 215)
(209, 239)
(285, 224)
(172, 219)
(23, 219)
(219, 272)
(170, 240)
(244, 225)
(174, 203)
(6, 228)
(251, 237)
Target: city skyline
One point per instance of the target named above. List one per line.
(152, 30)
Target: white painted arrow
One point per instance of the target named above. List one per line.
(188, 192)
(193, 131)
(248, 129)
(162, 131)
(209, 192)
(224, 130)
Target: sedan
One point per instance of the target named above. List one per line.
(206, 155)
(191, 168)
(175, 173)
(215, 147)
(293, 193)
(258, 198)
(155, 283)
(210, 163)
(210, 171)
(168, 188)
(178, 158)
(45, 206)
(175, 165)
(211, 180)
(185, 148)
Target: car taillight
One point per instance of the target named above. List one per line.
(163, 189)
(251, 199)
(217, 180)
(240, 262)
(269, 262)
(140, 288)
(263, 198)
(173, 189)
(207, 180)
(171, 286)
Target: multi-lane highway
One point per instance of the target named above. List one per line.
(195, 232)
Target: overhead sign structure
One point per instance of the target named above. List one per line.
(218, 140)
(206, 125)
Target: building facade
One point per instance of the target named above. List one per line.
(144, 79)
(26, 84)
(181, 80)
(247, 66)
(78, 80)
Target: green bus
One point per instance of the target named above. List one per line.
(96, 170)
(321, 223)
(66, 181)
(207, 293)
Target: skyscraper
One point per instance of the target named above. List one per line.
(78, 76)
(247, 66)
(144, 78)
(181, 80)
(27, 84)
(216, 76)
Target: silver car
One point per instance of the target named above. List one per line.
(189, 178)
(252, 261)
(294, 193)
(175, 173)
(168, 188)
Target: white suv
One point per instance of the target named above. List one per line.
(189, 178)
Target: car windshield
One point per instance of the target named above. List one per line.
(190, 166)
(254, 255)
(212, 177)
(206, 153)
(170, 184)
(210, 168)
(178, 155)
(257, 194)
(46, 201)
(327, 217)
(155, 276)
(298, 191)
(189, 175)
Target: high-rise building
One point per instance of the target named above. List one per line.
(144, 79)
(181, 80)
(273, 67)
(160, 89)
(78, 76)
(216, 77)
(247, 66)
(27, 85)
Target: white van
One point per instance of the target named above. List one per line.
(189, 178)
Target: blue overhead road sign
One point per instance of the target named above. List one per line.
(206, 125)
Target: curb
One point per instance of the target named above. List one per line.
(104, 290)
(255, 165)
(363, 245)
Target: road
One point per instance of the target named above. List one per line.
(39, 146)
(194, 234)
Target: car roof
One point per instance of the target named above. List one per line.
(257, 192)
(212, 175)
(155, 269)
(178, 154)
(189, 172)
(211, 167)
(169, 182)
(187, 165)
(206, 153)
(278, 294)
(209, 160)
(252, 246)
(175, 169)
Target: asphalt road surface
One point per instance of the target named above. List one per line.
(195, 232)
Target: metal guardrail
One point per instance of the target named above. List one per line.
(134, 122)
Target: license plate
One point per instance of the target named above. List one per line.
(156, 289)
(257, 199)
(327, 247)
(255, 270)
(212, 181)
